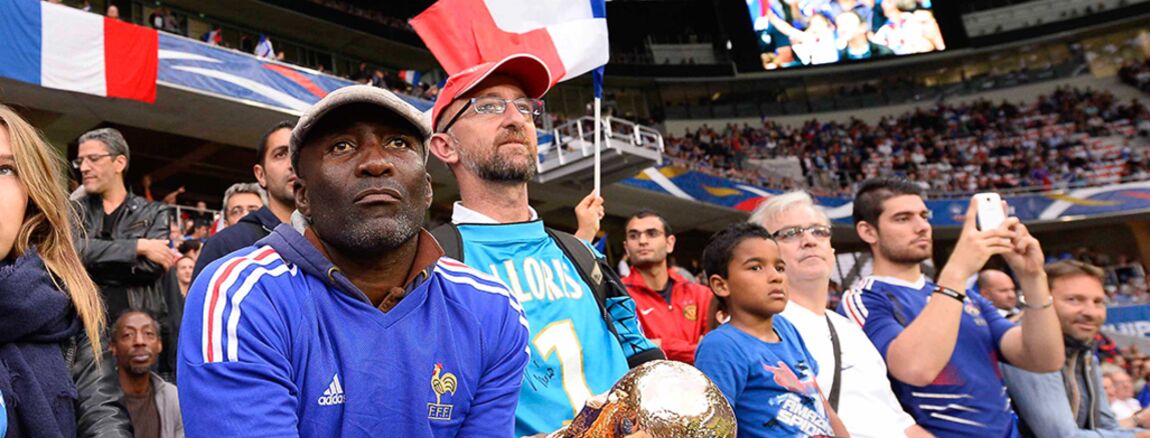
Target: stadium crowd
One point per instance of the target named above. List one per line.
(495, 324)
(317, 303)
(1069, 138)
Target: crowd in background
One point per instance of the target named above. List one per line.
(962, 148)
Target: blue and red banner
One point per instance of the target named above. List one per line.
(208, 69)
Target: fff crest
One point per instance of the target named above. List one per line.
(447, 383)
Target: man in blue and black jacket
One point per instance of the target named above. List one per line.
(352, 324)
(275, 175)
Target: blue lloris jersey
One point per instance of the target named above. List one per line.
(968, 398)
(3, 415)
(573, 354)
(277, 342)
(771, 386)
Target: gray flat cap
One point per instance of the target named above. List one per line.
(358, 94)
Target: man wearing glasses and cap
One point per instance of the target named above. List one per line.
(349, 322)
(582, 340)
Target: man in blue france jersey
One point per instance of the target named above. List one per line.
(942, 346)
(351, 323)
(485, 134)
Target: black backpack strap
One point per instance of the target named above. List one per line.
(606, 286)
(450, 240)
(838, 352)
(589, 270)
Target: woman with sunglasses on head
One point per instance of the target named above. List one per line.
(51, 314)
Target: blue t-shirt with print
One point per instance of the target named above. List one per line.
(771, 386)
(573, 353)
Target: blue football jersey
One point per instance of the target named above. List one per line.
(968, 398)
(573, 354)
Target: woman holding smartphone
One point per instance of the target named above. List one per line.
(51, 314)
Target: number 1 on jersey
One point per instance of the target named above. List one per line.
(559, 338)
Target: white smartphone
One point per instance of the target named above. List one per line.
(991, 215)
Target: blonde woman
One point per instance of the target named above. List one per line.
(51, 315)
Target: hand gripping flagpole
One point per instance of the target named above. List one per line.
(597, 77)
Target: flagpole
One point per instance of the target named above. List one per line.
(598, 136)
(597, 81)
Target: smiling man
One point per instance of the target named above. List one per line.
(1071, 402)
(352, 325)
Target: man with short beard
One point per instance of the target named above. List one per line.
(275, 175)
(351, 323)
(941, 344)
(485, 133)
(1072, 403)
(153, 404)
(672, 310)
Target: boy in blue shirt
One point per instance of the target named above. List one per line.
(759, 360)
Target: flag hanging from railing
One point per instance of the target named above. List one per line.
(58, 47)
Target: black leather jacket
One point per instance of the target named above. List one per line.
(99, 409)
(113, 262)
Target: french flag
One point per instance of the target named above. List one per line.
(410, 76)
(570, 36)
(58, 47)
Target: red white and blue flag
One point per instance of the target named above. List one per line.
(58, 47)
(214, 37)
(570, 36)
(410, 76)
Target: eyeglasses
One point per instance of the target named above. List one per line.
(496, 105)
(240, 210)
(794, 233)
(79, 161)
(650, 233)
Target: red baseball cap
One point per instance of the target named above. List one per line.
(531, 72)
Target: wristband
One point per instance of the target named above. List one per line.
(943, 290)
(1025, 305)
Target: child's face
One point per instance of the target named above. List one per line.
(755, 277)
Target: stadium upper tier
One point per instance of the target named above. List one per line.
(1071, 138)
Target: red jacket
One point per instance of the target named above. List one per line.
(679, 326)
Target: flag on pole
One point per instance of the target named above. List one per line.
(214, 37)
(410, 76)
(570, 36)
(58, 47)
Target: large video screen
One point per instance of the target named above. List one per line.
(793, 33)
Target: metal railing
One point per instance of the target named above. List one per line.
(575, 139)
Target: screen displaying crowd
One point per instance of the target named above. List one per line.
(794, 33)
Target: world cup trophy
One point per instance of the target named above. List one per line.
(663, 399)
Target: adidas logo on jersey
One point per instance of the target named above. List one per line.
(334, 393)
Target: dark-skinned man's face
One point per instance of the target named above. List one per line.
(363, 181)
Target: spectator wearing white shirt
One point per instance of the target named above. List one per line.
(852, 373)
